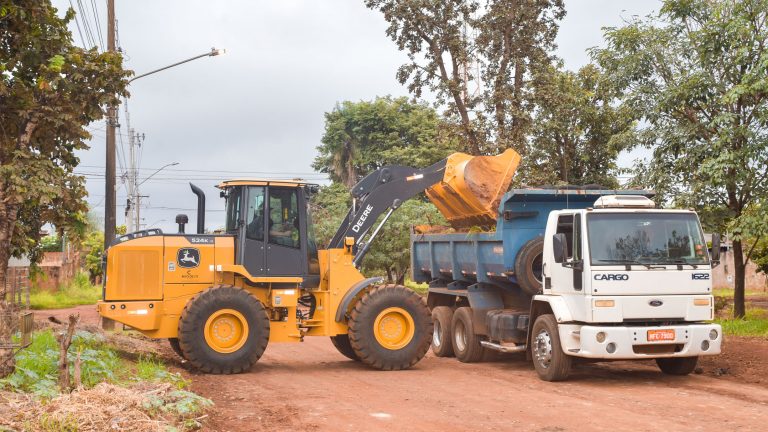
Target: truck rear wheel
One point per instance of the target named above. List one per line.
(528, 266)
(551, 363)
(341, 342)
(390, 328)
(223, 330)
(466, 344)
(677, 365)
(442, 337)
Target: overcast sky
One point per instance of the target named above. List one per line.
(258, 109)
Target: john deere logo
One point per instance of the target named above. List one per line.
(188, 257)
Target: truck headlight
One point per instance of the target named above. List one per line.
(611, 348)
(704, 345)
(713, 334)
(600, 337)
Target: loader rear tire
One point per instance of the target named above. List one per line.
(442, 340)
(223, 330)
(466, 344)
(528, 266)
(390, 328)
(174, 342)
(341, 342)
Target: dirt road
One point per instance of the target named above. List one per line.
(309, 386)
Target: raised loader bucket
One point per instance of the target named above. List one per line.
(472, 188)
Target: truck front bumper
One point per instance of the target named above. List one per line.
(632, 342)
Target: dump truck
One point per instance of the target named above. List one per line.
(221, 298)
(573, 274)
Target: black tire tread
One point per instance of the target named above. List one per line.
(361, 328)
(679, 366)
(443, 315)
(192, 342)
(174, 342)
(342, 344)
(523, 263)
(474, 351)
(561, 364)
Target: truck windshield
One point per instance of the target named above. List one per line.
(646, 238)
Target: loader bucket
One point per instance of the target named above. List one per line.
(472, 187)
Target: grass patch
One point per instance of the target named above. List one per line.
(78, 292)
(37, 365)
(420, 288)
(755, 323)
(151, 369)
(728, 292)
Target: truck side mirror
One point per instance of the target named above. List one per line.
(715, 254)
(559, 247)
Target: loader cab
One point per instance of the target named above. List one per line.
(272, 223)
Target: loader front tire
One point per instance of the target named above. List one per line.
(223, 330)
(341, 342)
(390, 328)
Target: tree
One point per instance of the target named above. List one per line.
(361, 137)
(478, 61)
(49, 91)
(698, 72)
(579, 130)
(390, 252)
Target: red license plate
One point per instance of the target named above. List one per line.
(661, 335)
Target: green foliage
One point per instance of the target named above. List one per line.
(51, 243)
(754, 323)
(698, 74)
(486, 83)
(150, 368)
(50, 90)
(329, 206)
(37, 365)
(760, 256)
(93, 247)
(390, 252)
(361, 137)
(79, 291)
(579, 130)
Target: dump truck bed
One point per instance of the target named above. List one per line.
(489, 257)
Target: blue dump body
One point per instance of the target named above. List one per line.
(489, 257)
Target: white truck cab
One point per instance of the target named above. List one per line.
(625, 280)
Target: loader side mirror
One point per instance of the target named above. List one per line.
(559, 247)
(715, 254)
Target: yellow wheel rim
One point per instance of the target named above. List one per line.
(394, 328)
(226, 331)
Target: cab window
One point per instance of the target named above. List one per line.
(284, 217)
(254, 224)
(233, 209)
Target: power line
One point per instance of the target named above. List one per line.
(77, 22)
(95, 11)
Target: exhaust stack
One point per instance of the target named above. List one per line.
(200, 208)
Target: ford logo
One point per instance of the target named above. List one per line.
(655, 303)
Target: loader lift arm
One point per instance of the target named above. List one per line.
(383, 190)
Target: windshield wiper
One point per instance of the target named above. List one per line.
(680, 261)
(628, 263)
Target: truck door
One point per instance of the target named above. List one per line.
(253, 253)
(569, 278)
(284, 251)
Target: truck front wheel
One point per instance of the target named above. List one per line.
(677, 365)
(466, 344)
(442, 344)
(551, 363)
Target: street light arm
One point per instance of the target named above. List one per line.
(212, 53)
(160, 169)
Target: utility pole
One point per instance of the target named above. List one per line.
(110, 198)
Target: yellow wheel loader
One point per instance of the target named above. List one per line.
(221, 298)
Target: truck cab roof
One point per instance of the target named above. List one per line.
(263, 182)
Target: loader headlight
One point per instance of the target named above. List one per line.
(713, 334)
